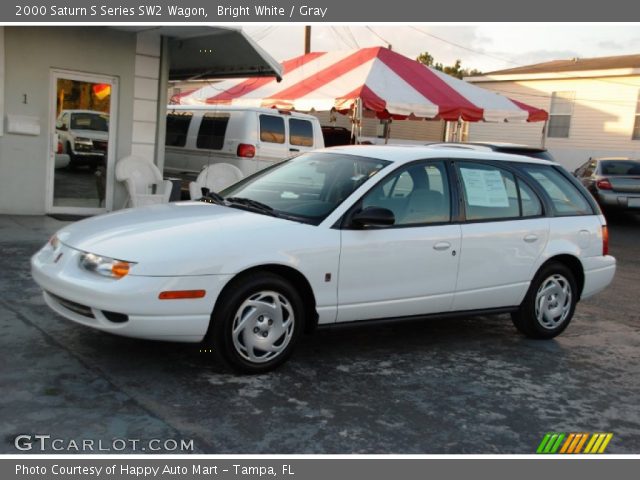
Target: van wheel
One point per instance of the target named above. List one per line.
(258, 323)
(549, 304)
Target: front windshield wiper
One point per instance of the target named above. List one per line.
(252, 204)
(209, 196)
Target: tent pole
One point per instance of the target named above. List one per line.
(544, 134)
(359, 120)
(353, 122)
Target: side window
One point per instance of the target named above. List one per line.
(417, 195)
(566, 198)
(531, 205)
(489, 192)
(271, 129)
(300, 132)
(177, 128)
(212, 131)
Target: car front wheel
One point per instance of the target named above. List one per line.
(549, 304)
(257, 323)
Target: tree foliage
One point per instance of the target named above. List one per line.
(454, 70)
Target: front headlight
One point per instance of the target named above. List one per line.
(105, 266)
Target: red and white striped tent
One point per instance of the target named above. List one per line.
(384, 82)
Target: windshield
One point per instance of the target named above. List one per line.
(308, 187)
(620, 167)
(90, 121)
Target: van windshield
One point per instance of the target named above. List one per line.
(308, 187)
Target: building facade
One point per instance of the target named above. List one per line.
(593, 105)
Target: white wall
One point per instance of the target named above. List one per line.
(30, 54)
(601, 124)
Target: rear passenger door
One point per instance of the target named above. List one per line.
(503, 234)
(300, 136)
(272, 145)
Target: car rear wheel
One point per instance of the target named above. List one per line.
(549, 304)
(257, 323)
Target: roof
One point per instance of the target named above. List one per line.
(408, 153)
(377, 78)
(574, 65)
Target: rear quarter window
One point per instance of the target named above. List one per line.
(566, 198)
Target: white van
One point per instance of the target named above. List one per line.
(249, 138)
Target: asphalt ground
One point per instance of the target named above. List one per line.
(467, 385)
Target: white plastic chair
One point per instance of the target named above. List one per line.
(140, 176)
(215, 177)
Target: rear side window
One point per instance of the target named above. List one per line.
(271, 129)
(212, 131)
(177, 128)
(300, 132)
(489, 192)
(566, 198)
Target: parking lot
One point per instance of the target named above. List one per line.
(442, 386)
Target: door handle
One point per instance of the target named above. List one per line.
(530, 238)
(294, 149)
(442, 246)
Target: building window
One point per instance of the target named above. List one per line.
(560, 114)
(636, 125)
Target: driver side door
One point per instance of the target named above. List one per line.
(409, 268)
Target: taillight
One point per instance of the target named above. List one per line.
(246, 150)
(604, 184)
(605, 240)
(60, 149)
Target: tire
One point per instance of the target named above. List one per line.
(273, 315)
(545, 316)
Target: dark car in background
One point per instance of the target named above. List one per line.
(513, 148)
(614, 182)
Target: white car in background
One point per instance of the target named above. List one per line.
(83, 135)
(346, 234)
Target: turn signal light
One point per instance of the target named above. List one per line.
(181, 294)
(604, 184)
(120, 269)
(605, 240)
(246, 150)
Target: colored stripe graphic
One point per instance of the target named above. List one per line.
(550, 443)
(573, 443)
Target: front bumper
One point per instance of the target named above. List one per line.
(92, 300)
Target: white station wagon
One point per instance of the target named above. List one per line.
(346, 234)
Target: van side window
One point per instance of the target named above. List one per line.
(489, 192)
(212, 131)
(566, 198)
(271, 129)
(177, 128)
(300, 132)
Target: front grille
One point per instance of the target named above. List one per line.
(73, 306)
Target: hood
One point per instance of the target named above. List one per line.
(92, 134)
(183, 238)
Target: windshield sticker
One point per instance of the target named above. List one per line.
(484, 188)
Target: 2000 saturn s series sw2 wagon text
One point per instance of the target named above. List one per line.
(337, 235)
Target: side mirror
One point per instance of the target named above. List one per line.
(373, 217)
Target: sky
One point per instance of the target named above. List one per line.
(486, 47)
